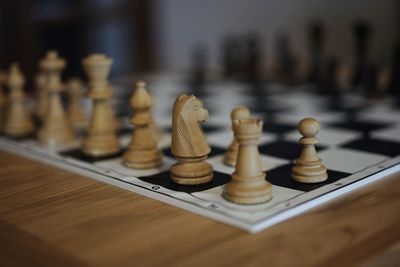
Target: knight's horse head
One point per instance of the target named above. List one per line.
(187, 137)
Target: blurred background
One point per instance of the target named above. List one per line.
(160, 35)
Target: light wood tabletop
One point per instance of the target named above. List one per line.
(51, 217)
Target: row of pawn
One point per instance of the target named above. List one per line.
(57, 127)
(16, 119)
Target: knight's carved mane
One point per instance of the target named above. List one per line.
(187, 137)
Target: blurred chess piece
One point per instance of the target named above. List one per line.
(3, 98)
(309, 167)
(18, 122)
(100, 139)
(316, 37)
(231, 154)
(188, 143)
(248, 184)
(142, 151)
(76, 115)
(42, 96)
(362, 32)
(56, 129)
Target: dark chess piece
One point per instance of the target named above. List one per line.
(362, 33)
(394, 84)
(253, 59)
(370, 82)
(327, 81)
(229, 57)
(198, 74)
(317, 38)
(286, 61)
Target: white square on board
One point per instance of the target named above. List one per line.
(348, 160)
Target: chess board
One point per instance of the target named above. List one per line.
(359, 144)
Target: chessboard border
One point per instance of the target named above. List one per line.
(383, 169)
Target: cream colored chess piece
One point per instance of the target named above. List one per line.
(100, 139)
(18, 121)
(42, 95)
(231, 155)
(142, 152)
(115, 121)
(157, 131)
(3, 99)
(75, 113)
(248, 184)
(56, 129)
(309, 167)
(188, 143)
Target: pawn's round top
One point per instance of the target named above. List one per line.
(75, 86)
(308, 127)
(240, 113)
(141, 84)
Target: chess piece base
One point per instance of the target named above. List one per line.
(249, 190)
(55, 138)
(313, 172)
(137, 159)
(191, 172)
(100, 146)
(18, 132)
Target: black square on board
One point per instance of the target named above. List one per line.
(163, 179)
(284, 149)
(281, 176)
(206, 128)
(377, 146)
(214, 152)
(125, 130)
(77, 154)
(277, 127)
(22, 137)
(361, 126)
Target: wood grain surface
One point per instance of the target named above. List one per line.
(50, 217)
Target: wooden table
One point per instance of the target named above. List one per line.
(50, 217)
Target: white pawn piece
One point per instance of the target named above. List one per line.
(42, 95)
(157, 131)
(231, 155)
(18, 121)
(248, 184)
(188, 144)
(100, 139)
(142, 152)
(115, 121)
(75, 113)
(56, 129)
(309, 168)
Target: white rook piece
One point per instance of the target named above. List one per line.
(248, 184)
